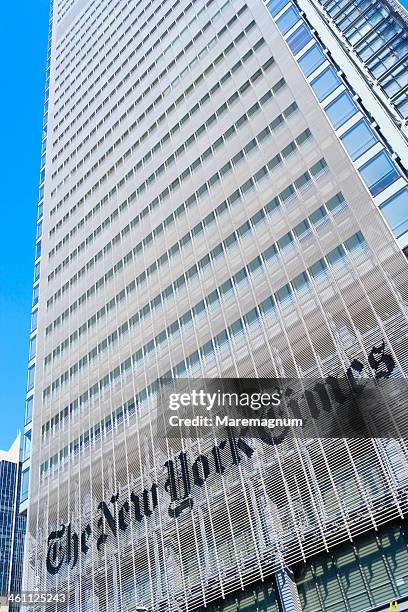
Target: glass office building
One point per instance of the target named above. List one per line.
(369, 41)
(375, 36)
(12, 525)
(223, 193)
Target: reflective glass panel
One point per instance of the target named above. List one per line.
(325, 83)
(312, 59)
(358, 139)
(288, 20)
(395, 210)
(379, 173)
(274, 6)
(341, 109)
(299, 39)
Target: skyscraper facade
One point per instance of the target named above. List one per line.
(222, 194)
(368, 40)
(374, 34)
(12, 525)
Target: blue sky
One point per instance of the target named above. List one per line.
(23, 42)
(23, 45)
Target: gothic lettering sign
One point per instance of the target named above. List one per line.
(65, 545)
(183, 474)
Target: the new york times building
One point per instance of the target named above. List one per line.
(222, 196)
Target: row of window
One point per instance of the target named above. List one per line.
(268, 307)
(115, 106)
(396, 50)
(351, 14)
(379, 172)
(163, 76)
(25, 479)
(271, 253)
(64, 8)
(181, 210)
(189, 90)
(300, 231)
(68, 142)
(135, 145)
(197, 108)
(395, 211)
(224, 108)
(148, 133)
(29, 409)
(85, 45)
(73, 37)
(131, 44)
(383, 35)
(132, 49)
(113, 169)
(380, 41)
(65, 52)
(252, 145)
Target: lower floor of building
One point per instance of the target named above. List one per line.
(363, 575)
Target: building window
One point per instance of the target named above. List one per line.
(372, 43)
(318, 268)
(379, 173)
(38, 250)
(351, 12)
(383, 61)
(396, 80)
(299, 39)
(275, 6)
(300, 282)
(37, 272)
(267, 305)
(285, 241)
(302, 181)
(34, 318)
(288, 20)
(395, 210)
(325, 83)
(287, 193)
(311, 60)
(401, 103)
(365, 24)
(358, 139)
(30, 378)
(33, 348)
(318, 216)
(302, 229)
(284, 293)
(364, 563)
(318, 168)
(35, 295)
(27, 445)
(335, 203)
(336, 255)
(341, 109)
(28, 410)
(25, 477)
(355, 242)
(333, 6)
